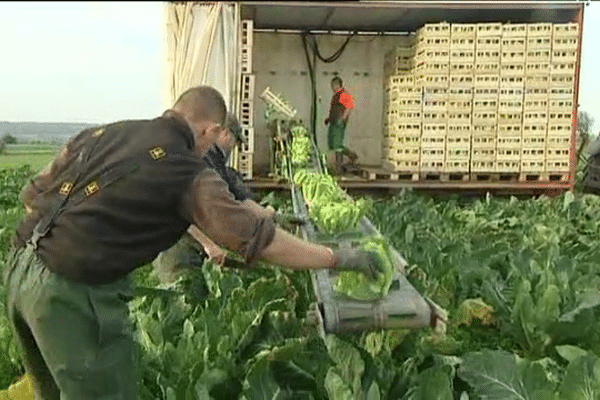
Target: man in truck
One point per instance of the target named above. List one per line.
(113, 198)
(339, 113)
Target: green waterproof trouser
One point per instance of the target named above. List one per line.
(76, 339)
(187, 254)
(335, 135)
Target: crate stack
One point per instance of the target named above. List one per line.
(432, 68)
(402, 126)
(565, 41)
(246, 109)
(460, 98)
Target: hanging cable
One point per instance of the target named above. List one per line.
(335, 56)
(313, 85)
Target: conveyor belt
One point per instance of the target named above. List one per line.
(404, 307)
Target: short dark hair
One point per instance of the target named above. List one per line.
(337, 80)
(202, 103)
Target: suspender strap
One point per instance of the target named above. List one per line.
(58, 201)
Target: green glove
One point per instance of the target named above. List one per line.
(284, 219)
(355, 259)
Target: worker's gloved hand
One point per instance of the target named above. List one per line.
(355, 259)
(288, 220)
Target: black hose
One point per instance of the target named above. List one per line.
(335, 56)
(311, 72)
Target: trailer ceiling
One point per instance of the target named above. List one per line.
(400, 16)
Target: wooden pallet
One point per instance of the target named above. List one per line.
(544, 177)
(433, 176)
(374, 174)
(494, 177)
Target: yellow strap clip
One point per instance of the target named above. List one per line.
(91, 188)
(66, 188)
(157, 153)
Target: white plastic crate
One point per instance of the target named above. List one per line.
(560, 118)
(560, 165)
(248, 135)
(409, 91)
(463, 80)
(435, 93)
(512, 69)
(246, 113)
(440, 43)
(533, 153)
(512, 82)
(512, 56)
(456, 166)
(434, 130)
(432, 165)
(565, 43)
(535, 117)
(490, 93)
(534, 141)
(537, 94)
(486, 81)
(509, 141)
(458, 141)
(483, 56)
(480, 105)
(433, 55)
(246, 59)
(462, 56)
(408, 103)
(460, 93)
(563, 68)
(484, 141)
(562, 105)
(483, 154)
(564, 56)
(468, 31)
(458, 130)
(510, 105)
(488, 43)
(433, 153)
(542, 29)
(508, 154)
(566, 30)
(533, 129)
(557, 152)
(406, 129)
(432, 80)
(536, 104)
(509, 118)
(483, 166)
(492, 68)
(461, 106)
(485, 118)
(509, 130)
(404, 153)
(399, 81)
(514, 30)
(404, 116)
(245, 165)
(488, 29)
(533, 166)
(539, 43)
(514, 44)
(247, 32)
(537, 68)
(510, 93)
(561, 92)
(247, 87)
(461, 68)
(537, 81)
(406, 141)
(434, 106)
(508, 166)
(559, 141)
(462, 44)
(400, 165)
(458, 153)
(440, 29)
(488, 129)
(538, 55)
(432, 67)
(459, 118)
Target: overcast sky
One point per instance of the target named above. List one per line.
(103, 61)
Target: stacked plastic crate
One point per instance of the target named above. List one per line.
(402, 126)
(485, 97)
(560, 102)
(432, 67)
(460, 98)
(535, 109)
(246, 109)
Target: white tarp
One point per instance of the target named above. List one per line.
(201, 48)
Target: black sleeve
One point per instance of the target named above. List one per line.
(236, 186)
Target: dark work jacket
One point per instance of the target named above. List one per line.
(125, 224)
(336, 108)
(216, 159)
